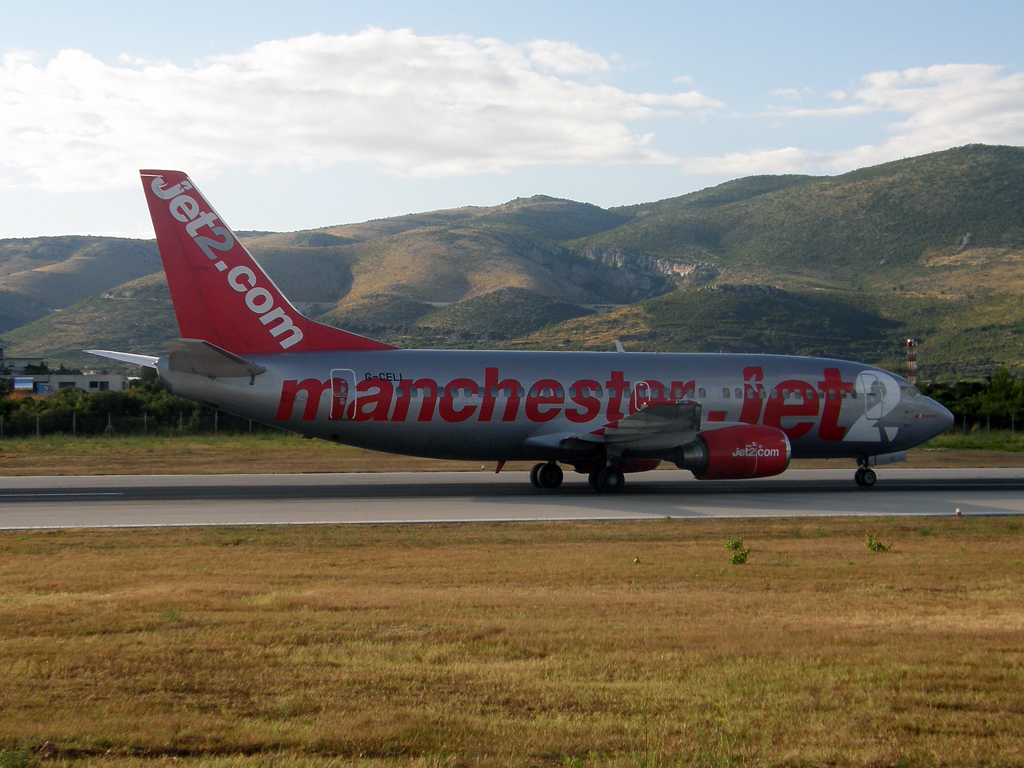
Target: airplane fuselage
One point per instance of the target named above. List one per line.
(495, 405)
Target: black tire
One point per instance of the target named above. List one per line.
(592, 479)
(868, 478)
(534, 480)
(549, 476)
(858, 476)
(610, 480)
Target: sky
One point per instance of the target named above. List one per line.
(311, 114)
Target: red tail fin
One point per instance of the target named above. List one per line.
(220, 293)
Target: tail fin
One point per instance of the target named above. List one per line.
(220, 294)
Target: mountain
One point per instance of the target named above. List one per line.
(40, 274)
(849, 266)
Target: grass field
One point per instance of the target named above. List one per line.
(562, 644)
(278, 453)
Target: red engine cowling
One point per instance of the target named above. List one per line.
(732, 453)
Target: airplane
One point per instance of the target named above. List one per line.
(245, 350)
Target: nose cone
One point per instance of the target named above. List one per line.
(943, 419)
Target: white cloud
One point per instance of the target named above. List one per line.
(565, 58)
(943, 106)
(787, 93)
(418, 106)
(787, 160)
(837, 95)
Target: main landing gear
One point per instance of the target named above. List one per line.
(607, 480)
(865, 477)
(546, 475)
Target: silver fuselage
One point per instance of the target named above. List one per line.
(495, 406)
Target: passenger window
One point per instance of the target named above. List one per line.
(762, 394)
(677, 393)
(412, 391)
(400, 392)
(725, 393)
(702, 393)
(468, 392)
(599, 392)
(831, 394)
(572, 391)
(775, 394)
(494, 391)
(821, 394)
(809, 394)
(842, 394)
(739, 393)
(521, 392)
(785, 394)
(853, 394)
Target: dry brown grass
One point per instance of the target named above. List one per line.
(530, 644)
(205, 456)
(280, 454)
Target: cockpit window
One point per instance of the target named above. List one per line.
(910, 390)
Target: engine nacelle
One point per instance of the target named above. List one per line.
(732, 453)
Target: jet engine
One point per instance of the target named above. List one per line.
(732, 453)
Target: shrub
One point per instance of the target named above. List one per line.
(737, 552)
(874, 545)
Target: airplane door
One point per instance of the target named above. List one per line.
(874, 395)
(343, 394)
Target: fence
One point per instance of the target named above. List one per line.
(199, 422)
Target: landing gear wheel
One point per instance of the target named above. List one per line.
(865, 477)
(534, 472)
(549, 475)
(592, 479)
(610, 480)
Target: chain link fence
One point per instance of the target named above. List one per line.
(201, 421)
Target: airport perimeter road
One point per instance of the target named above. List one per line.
(133, 500)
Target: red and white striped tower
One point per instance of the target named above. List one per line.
(912, 361)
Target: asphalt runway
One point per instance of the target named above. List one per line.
(172, 500)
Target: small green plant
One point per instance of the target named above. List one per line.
(874, 545)
(18, 758)
(737, 552)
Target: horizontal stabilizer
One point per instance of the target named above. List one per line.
(204, 359)
(146, 360)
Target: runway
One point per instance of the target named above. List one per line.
(176, 500)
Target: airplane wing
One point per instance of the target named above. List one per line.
(659, 425)
(655, 422)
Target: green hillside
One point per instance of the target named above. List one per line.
(930, 247)
(864, 229)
